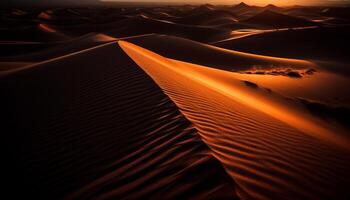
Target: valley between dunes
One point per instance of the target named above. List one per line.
(266, 144)
(269, 146)
(176, 102)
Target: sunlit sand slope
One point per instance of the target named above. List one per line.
(272, 149)
(93, 125)
(326, 45)
(208, 55)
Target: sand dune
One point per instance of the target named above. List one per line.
(337, 12)
(211, 17)
(141, 24)
(51, 30)
(137, 26)
(204, 54)
(274, 8)
(271, 152)
(35, 32)
(301, 11)
(240, 6)
(59, 16)
(5, 66)
(277, 20)
(76, 16)
(20, 25)
(99, 122)
(332, 93)
(21, 55)
(15, 48)
(203, 9)
(243, 10)
(328, 45)
(143, 101)
(135, 21)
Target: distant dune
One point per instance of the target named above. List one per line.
(243, 9)
(54, 50)
(178, 48)
(278, 20)
(113, 125)
(327, 45)
(255, 152)
(211, 17)
(304, 11)
(144, 101)
(203, 8)
(337, 12)
(144, 25)
(272, 7)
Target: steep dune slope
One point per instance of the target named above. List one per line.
(199, 53)
(272, 149)
(328, 44)
(94, 125)
(143, 24)
(211, 17)
(278, 20)
(137, 26)
(244, 10)
(46, 51)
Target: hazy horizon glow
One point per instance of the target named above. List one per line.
(250, 2)
(7, 3)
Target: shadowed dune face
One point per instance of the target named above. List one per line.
(267, 153)
(328, 46)
(278, 20)
(288, 77)
(321, 86)
(134, 101)
(211, 17)
(343, 13)
(36, 52)
(244, 10)
(337, 113)
(199, 53)
(94, 125)
(52, 24)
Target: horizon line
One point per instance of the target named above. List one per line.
(12, 3)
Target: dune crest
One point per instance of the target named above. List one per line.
(220, 82)
(162, 100)
(103, 130)
(264, 144)
(275, 19)
(215, 57)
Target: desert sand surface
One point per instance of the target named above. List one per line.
(175, 102)
(215, 102)
(105, 128)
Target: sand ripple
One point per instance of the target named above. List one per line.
(267, 157)
(94, 126)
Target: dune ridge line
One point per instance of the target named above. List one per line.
(269, 157)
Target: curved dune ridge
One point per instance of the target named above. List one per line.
(209, 17)
(216, 57)
(324, 44)
(275, 19)
(145, 101)
(93, 125)
(59, 49)
(143, 24)
(271, 149)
